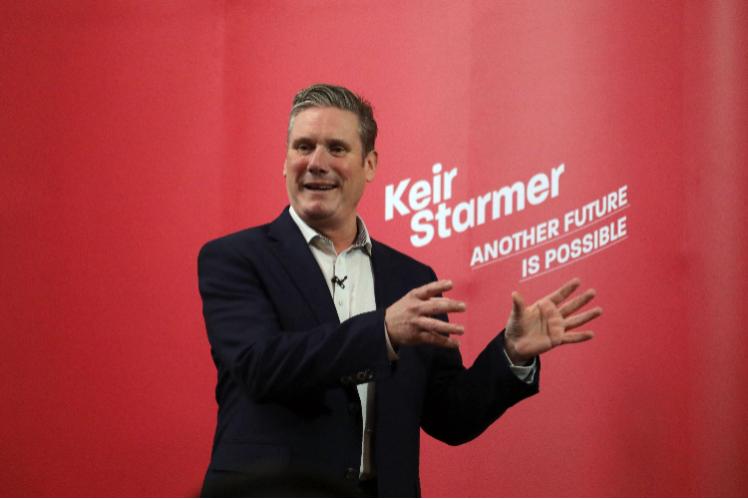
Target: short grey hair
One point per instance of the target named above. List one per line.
(325, 95)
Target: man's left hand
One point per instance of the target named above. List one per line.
(546, 323)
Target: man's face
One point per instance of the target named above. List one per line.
(325, 169)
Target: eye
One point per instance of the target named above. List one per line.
(337, 148)
(304, 147)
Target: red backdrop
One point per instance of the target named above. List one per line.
(132, 132)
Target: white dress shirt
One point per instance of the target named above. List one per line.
(350, 279)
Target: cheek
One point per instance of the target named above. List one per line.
(290, 178)
(357, 188)
(292, 170)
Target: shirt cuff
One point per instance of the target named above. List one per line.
(391, 354)
(523, 373)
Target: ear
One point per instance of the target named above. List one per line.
(370, 165)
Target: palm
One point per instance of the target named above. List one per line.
(546, 323)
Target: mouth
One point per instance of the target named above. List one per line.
(319, 186)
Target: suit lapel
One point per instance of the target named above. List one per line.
(294, 254)
(385, 293)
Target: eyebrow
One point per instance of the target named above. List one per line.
(329, 143)
(339, 143)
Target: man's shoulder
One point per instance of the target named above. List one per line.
(249, 239)
(241, 239)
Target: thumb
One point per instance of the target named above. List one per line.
(518, 305)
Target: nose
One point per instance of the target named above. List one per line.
(318, 160)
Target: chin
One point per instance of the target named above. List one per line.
(318, 215)
(314, 212)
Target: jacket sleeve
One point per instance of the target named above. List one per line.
(247, 339)
(461, 403)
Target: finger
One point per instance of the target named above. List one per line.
(518, 305)
(578, 337)
(577, 302)
(436, 339)
(561, 293)
(432, 289)
(583, 318)
(436, 306)
(438, 326)
(550, 322)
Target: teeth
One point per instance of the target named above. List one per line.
(320, 187)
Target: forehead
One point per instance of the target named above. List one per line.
(325, 123)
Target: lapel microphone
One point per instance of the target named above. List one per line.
(340, 282)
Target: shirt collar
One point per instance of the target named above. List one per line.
(362, 240)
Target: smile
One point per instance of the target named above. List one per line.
(320, 187)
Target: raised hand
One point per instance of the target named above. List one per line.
(546, 323)
(410, 320)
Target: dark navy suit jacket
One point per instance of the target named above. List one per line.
(287, 368)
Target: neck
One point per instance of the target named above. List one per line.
(341, 237)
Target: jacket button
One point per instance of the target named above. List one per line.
(351, 474)
(361, 376)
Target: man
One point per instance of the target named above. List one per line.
(332, 349)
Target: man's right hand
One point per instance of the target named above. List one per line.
(411, 321)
